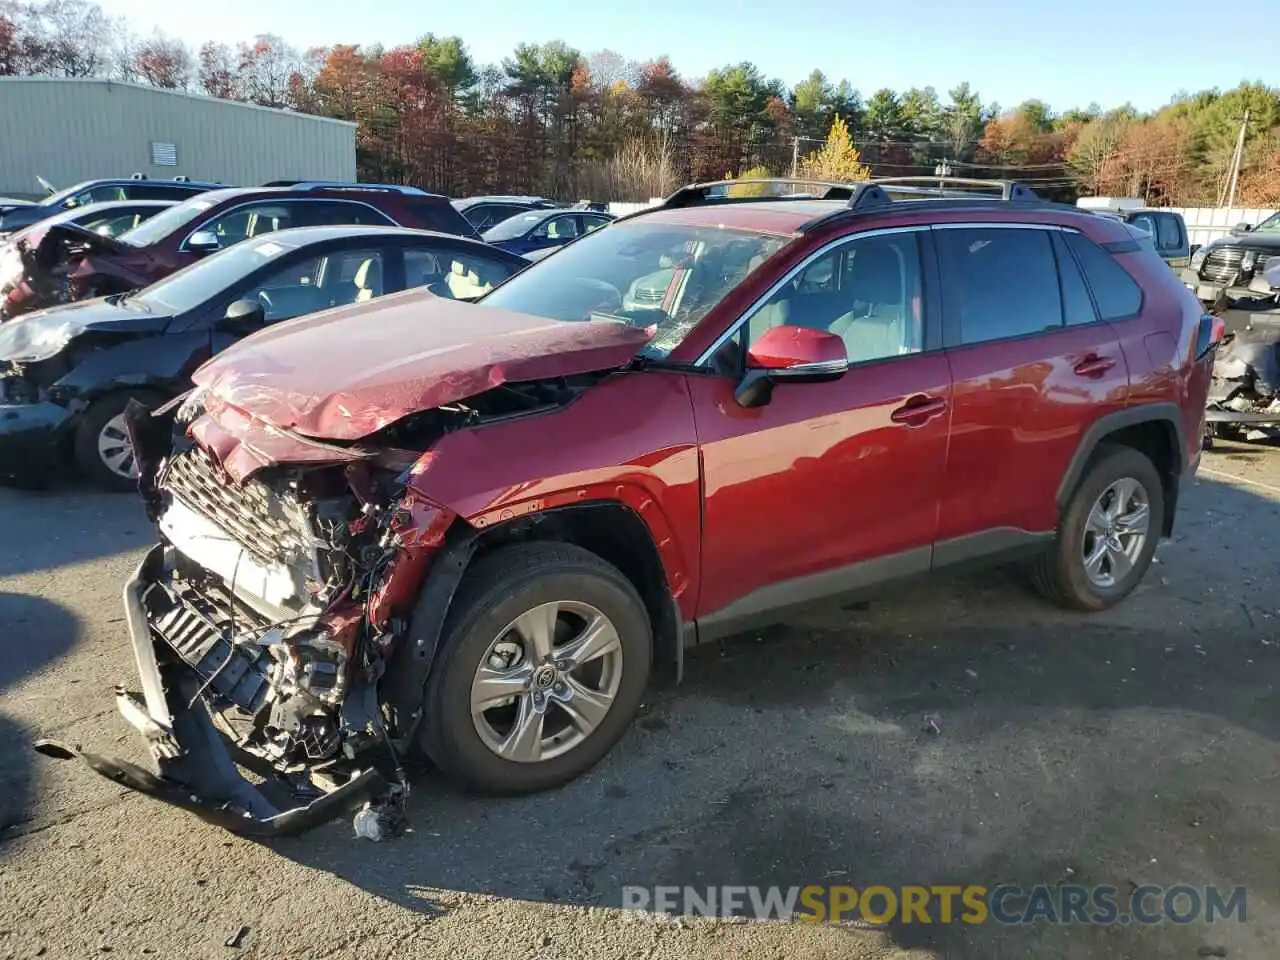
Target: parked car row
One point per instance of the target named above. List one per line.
(58, 261)
(475, 528)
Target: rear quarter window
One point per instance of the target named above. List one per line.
(1115, 293)
(442, 217)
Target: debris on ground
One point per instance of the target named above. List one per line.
(932, 723)
(235, 938)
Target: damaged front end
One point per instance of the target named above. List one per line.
(48, 268)
(1244, 394)
(262, 624)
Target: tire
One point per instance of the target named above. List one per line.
(500, 588)
(1060, 573)
(93, 422)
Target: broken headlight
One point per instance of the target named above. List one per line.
(37, 337)
(192, 406)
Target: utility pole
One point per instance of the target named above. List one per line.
(795, 157)
(1236, 158)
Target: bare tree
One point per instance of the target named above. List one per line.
(70, 38)
(267, 67)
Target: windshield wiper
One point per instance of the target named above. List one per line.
(127, 300)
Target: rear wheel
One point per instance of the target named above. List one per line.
(103, 450)
(545, 658)
(1107, 534)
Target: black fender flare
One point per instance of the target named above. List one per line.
(1167, 414)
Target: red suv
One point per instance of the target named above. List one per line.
(61, 265)
(475, 528)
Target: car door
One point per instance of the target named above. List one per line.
(1032, 364)
(828, 486)
(556, 231)
(589, 223)
(308, 281)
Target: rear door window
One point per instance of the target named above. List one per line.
(998, 283)
(1115, 293)
(1077, 306)
(330, 212)
(453, 274)
(1169, 232)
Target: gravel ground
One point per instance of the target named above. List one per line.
(1133, 747)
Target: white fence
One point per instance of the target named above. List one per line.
(1209, 223)
(625, 207)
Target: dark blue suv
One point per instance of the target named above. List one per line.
(136, 187)
(543, 229)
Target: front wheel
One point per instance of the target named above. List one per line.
(103, 450)
(1107, 535)
(545, 658)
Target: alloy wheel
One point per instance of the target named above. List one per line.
(546, 681)
(1116, 531)
(115, 449)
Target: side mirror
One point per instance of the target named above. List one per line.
(1244, 227)
(244, 317)
(203, 241)
(790, 354)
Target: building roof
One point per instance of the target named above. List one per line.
(160, 91)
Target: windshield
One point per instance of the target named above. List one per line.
(1269, 225)
(163, 224)
(660, 275)
(513, 227)
(193, 285)
(59, 198)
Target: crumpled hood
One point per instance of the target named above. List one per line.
(346, 373)
(42, 334)
(33, 236)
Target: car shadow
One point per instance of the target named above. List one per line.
(955, 732)
(92, 524)
(34, 632)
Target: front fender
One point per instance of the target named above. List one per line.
(597, 448)
(159, 362)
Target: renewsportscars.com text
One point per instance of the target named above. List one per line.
(974, 904)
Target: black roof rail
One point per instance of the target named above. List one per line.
(858, 195)
(347, 185)
(965, 187)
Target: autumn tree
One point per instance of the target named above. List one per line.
(163, 62)
(1093, 156)
(837, 160)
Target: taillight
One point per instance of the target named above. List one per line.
(1212, 332)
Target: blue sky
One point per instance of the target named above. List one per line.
(1070, 54)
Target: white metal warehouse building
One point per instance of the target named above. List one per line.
(69, 130)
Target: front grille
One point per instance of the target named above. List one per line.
(1226, 264)
(1222, 264)
(196, 624)
(254, 514)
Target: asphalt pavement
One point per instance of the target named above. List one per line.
(956, 732)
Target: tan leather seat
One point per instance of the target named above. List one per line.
(368, 279)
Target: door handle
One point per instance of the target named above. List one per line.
(919, 410)
(1094, 366)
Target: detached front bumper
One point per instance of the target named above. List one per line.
(1240, 307)
(30, 439)
(197, 768)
